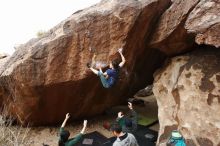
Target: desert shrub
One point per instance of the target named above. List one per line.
(41, 33)
(13, 135)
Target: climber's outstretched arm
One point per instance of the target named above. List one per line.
(122, 57)
(78, 137)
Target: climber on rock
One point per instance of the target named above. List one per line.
(110, 77)
(64, 134)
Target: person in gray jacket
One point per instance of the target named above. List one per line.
(123, 139)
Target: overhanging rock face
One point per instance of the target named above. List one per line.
(47, 77)
(204, 22)
(170, 35)
(185, 24)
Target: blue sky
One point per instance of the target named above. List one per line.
(22, 19)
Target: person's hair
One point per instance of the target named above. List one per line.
(64, 135)
(115, 64)
(128, 122)
(116, 128)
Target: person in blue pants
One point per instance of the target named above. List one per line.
(110, 77)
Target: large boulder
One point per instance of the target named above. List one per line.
(170, 36)
(187, 89)
(47, 77)
(185, 24)
(204, 22)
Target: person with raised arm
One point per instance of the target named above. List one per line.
(128, 123)
(64, 134)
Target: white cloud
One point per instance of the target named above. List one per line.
(22, 19)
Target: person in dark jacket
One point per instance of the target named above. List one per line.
(128, 123)
(64, 134)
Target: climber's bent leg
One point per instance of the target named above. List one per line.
(103, 80)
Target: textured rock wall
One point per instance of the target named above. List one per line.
(187, 89)
(187, 23)
(204, 21)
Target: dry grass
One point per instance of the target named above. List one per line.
(12, 135)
